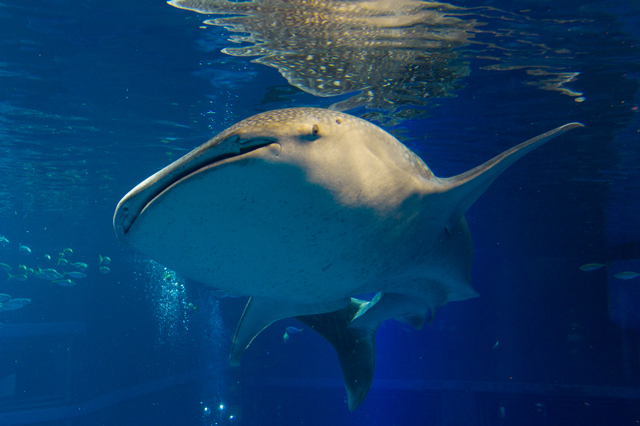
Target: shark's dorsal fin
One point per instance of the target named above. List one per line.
(464, 189)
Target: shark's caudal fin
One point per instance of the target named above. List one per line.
(464, 189)
(355, 347)
(352, 333)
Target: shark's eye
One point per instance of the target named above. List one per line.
(310, 137)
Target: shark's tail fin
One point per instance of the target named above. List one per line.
(352, 333)
(355, 346)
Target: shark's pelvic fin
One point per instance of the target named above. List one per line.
(385, 306)
(259, 313)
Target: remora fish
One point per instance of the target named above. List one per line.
(303, 208)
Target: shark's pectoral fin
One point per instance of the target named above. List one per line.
(463, 190)
(355, 346)
(259, 313)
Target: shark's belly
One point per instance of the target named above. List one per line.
(272, 234)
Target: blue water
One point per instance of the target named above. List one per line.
(96, 96)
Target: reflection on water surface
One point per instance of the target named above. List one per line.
(388, 53)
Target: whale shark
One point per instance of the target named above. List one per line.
(307, 210)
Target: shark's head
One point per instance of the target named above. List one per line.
(357, 162)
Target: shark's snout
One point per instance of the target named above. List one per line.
(207, 155)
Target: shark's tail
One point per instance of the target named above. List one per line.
(355, 346)
(352, 333)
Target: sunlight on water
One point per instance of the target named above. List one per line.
(388, 55)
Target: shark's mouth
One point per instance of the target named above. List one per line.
(204, 156)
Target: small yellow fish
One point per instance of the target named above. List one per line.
(627, 275)
(67, 252)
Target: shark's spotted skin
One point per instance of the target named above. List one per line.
(304, 208)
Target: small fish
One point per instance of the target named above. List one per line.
(30, 271)
(3, 241)
(104, 270)
(17, 277)
(4, 297)
(5, 267)
(22, 268)
(192, 306)
(47, 257)
(76, 274)
(495, 346)
(24, 249)
(62, 261)
(627, 275)
(13, 304)
(104, 260)
(588, 267)
(289, 331)
(48, 274)
(65, 283)
(79, 265)
(67, 252)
